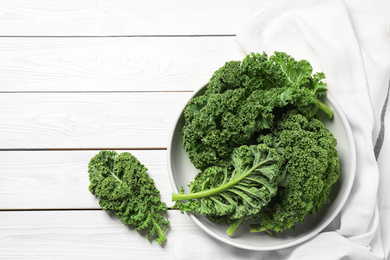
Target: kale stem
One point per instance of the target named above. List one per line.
(198, 195)
(160, 233)
(113, 174)
(324, 108)
(257, 228)
(232, 227)
(210, 192)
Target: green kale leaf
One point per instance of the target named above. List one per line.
(124, 187)
(237, 192)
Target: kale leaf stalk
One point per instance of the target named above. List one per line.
(234, 180)
(323, 108)
(161, 237)
(233, 226)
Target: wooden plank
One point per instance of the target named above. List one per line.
(89, 120)
(59, 179)
(112, 64)
(122, 17)
(93, 234)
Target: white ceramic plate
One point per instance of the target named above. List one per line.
(181, 172)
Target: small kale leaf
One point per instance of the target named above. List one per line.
(124, 187)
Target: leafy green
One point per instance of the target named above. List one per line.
(241, 100)
(312, 167)
(234, 194)
(297, 163)
(124, 187)
(268, 105)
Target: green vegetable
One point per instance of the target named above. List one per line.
(234, 194)
(312, 167)
(124, 187)
(241, 100)
(251, 110)
(301, 163)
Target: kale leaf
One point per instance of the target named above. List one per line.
(237, 192)
(124, 187)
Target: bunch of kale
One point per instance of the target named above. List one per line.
(255, 135)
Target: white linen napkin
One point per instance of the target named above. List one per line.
(350, 42)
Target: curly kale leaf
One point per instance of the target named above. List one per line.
(311, 168)
(241, 100)
(124, 187)
(234, 194)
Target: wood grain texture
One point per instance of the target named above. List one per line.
(122, 17)
(59, 179)
(87, 234)
(112, 64)
(89, 120)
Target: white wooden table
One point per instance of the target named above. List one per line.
(77, 77)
